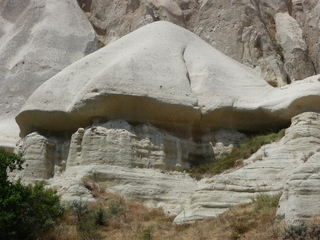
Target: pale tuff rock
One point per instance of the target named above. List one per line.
(38, 39)
(297, 62)
(194, 88)
(116, 142)
(243, 30)
(300, 199)
(267, 171)
(136, 161)
(169, 190)
(45, 156)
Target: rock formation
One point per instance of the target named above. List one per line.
(38, 39)
(132, 116)
(153, 102)
(244, 30)
(298, 63)
(164, 75)
(286, 164)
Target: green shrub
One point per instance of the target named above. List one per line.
(302, 231)
(25, 211)
(100, 217)
(265, 201)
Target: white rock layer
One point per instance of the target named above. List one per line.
(136, 161)
(267, 171)
(167, 76)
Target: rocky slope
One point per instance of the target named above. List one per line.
(37, 40)
(248, 31)
(160, 99)
(289, 166)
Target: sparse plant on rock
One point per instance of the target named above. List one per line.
(238, 153)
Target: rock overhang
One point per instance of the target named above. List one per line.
(167, 76)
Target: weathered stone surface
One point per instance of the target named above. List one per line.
(37, 40)
(116, 142)
(144, 146)
(167, 76)
(307, 14)
(154, 188)
(45, 156)
(267, 171)
(244, 30)
(134, 160)
(300, 200)
(297, 62)
(114, 19)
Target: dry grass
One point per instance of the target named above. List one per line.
(251, 221)
(128, 220)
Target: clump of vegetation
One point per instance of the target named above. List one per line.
(280, 51)
(89, 219)
(256, 220)
(26, 212)
(146, 234)
(302, 231)
(264, 202)
(250, 146)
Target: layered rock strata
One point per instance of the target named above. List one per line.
(138, 161)
(285, 166)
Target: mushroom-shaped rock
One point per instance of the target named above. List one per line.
(167, 76)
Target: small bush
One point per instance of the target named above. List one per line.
(100, 217)
(116, 208)
(80, 209)
(265, 201)
(86, 221)
(25, 211)
(146, 233)
(302, 231)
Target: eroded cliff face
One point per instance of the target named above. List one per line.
(290, 166)
(244, 30)
(37, 40)
(140, 161)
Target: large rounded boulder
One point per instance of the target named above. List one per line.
(167, 76)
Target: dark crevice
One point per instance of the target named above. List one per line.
(187, 74)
